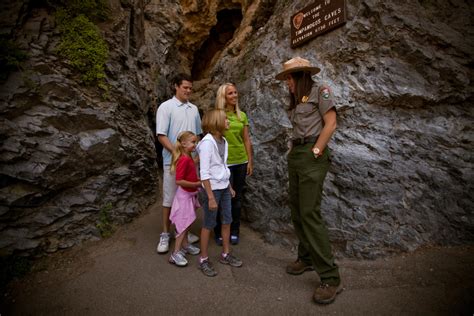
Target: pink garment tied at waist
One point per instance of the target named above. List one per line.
(183, 210)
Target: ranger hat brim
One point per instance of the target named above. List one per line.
(294, 65)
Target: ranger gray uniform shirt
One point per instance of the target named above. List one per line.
(307, 116)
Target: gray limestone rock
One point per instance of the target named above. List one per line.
(401, 174)
(402, 169)
(67, 154)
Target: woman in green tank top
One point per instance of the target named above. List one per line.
(240, 159)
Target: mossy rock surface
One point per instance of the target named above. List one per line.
(82, 43)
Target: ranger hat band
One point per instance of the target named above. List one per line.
(294, 65)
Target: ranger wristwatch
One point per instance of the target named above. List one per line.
(316, 152)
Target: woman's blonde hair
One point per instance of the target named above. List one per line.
(213, 121)
(179, 149)
(220, 98)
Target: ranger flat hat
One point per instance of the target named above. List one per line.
(294, 65)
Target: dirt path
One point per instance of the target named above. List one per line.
(123, 275)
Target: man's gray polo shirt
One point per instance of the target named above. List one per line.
(174, 117)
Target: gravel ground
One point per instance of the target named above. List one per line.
(123, 275)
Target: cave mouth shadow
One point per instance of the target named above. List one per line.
(228, 20)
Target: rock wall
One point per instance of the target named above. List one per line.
(73, 159)
(401, 176)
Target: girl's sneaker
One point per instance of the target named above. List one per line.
(191, 249)
(230, 260)
(207, 268)
(178, 259)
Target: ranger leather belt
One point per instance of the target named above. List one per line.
(304, 140)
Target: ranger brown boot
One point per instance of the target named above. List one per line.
(326, 294)
(298, 267)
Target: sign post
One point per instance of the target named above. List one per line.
(316, 19)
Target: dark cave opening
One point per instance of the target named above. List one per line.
(228, 20)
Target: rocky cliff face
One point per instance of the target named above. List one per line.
(402, 169)
(401, 176)
(73, 161)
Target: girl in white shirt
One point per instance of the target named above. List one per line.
(215, 174)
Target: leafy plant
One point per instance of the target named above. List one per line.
(81, 41)
(104, 225)
(84, 47)
(82, 44)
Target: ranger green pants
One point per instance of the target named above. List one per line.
(306, 176)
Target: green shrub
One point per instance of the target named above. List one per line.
(104, 225)
(82, 44)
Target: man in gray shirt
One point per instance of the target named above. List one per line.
(173, 117)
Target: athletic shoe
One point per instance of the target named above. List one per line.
(191, 249)
(178, 259)
(207, 268)
(230, 260)
(218, 241)
(234, 239)
(192, 238)
(164, 244)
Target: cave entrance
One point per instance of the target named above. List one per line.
(228, 20)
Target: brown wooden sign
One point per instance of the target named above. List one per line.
(316, 19)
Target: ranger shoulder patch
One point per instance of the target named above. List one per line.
(325, 93)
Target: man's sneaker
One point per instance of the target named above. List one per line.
(192, 238)
(218, 241)
(207, 268)
(234, 239)
(298, 267)
(326, 294)
(178, 259)
(230, 260)
(164, 244)
(191, 249)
